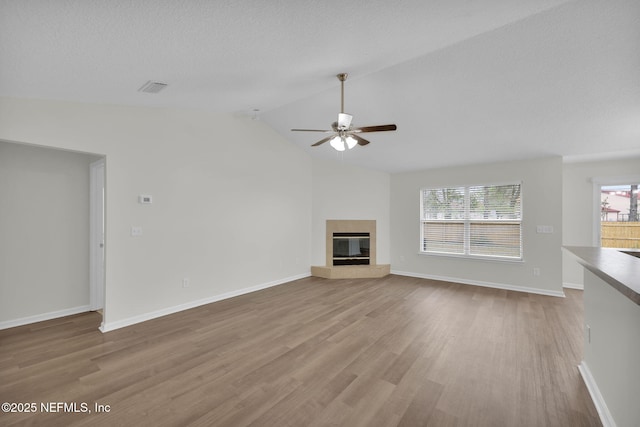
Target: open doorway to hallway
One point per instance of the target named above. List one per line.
(45, 233)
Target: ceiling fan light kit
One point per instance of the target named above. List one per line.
(340, 142)
(344, 135)
(337, 143)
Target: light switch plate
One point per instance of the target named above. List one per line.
(136, 231)
(544, 229)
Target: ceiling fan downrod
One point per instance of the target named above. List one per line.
(342, 77)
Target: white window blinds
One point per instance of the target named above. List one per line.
(482, 220)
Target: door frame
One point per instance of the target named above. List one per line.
(97, 223)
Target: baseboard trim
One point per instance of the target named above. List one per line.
(44, 316)
(110, 326)
(598, 401)
(577, 286)
(481, 283)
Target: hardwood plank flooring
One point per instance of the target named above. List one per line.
(394, 351)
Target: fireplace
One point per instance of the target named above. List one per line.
(350, 251)
(351, 248)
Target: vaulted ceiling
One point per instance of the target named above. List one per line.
(465, 81)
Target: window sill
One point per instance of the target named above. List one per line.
(473, 257)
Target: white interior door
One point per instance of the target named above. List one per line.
(96, 239)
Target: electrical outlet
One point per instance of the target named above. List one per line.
(185, 282)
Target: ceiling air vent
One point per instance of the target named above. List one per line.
(152, 87)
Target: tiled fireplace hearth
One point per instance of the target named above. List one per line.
(350, 251)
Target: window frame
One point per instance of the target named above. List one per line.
(467, 222)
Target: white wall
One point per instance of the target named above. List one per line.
(578, 205)
(542, 205)
(44, 232)
(232, 200)
(346, 192)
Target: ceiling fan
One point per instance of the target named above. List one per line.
(343, 134)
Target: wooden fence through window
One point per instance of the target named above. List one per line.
(620, 235)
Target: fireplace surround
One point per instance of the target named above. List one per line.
(350, 248)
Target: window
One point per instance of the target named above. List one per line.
(474, 221)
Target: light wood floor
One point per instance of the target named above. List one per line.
(314, 352)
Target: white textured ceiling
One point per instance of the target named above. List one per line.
(465, 81)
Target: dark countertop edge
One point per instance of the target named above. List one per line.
(620, 270)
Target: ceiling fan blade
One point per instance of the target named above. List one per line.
(311, 130)
(361, 141)
(322, 141)
(380, 128)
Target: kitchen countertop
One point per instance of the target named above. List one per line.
(618, 269)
